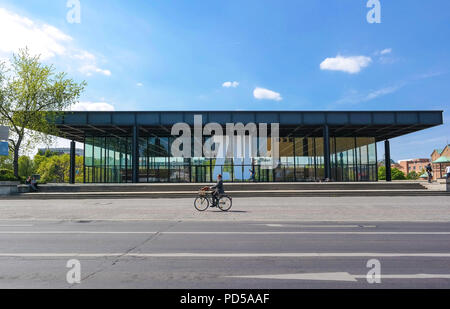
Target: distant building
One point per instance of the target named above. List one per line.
(412, 165)
(440, 159)
(61, 151)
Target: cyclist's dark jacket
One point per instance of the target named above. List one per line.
(218, 187)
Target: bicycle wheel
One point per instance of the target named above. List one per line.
(201, 203)
(225, 203)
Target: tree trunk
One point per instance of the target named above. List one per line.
(16, 158)
(16, 163)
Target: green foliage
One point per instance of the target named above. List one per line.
(47, 153)
(55, 169)
(26, 167)
(382, 173)
(412, 176)
(398, 174)
(395, 173)
(52, 168)
(6, 162)
(7, 175)
(31, 94)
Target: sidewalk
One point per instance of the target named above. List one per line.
(268, 209)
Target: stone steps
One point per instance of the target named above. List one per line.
(177, 190)
(234, 194)
(229, 187)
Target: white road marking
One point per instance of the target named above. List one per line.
(319, 226)
(340, 276)
(226, 233)
(17, 225)
(225, 255)
(212, 219)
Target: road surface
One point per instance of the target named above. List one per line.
(220, 254)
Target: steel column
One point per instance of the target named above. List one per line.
(72, 163)
(387, 160)
(135, 154)
(326, 152)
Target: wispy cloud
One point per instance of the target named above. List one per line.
(90, 69)
(93, 106)
(17, 32)
(382, 92)
(351, 65)
(266, 94)
(42, 39)
(386, 51)
(355, 97)
(230, 84)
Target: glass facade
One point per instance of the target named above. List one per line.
(109, 160)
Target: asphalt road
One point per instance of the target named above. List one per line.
(239, 254)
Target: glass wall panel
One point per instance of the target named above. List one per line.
(319, 159)
(109, 160)
(344, 163)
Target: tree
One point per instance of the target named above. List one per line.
(31, 94)
(55, 169)
(382, 173)
(6, 162)
(398, 174)
(26, 166)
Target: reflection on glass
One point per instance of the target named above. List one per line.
(109, 159)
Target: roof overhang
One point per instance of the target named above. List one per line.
(378, 124)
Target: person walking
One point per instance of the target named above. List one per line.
(252, 174)
(429, 170)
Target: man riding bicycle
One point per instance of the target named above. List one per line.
(217, 190)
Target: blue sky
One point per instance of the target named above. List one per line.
(247, 55)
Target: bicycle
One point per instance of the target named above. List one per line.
(205, 198)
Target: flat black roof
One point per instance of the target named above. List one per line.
(379, 124)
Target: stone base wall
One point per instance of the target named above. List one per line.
(8, 187)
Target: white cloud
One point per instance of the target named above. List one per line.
(17, 32)
(90, 69)
(42, 39)
(139, 84)
(84, 55)
(381, 92)
(266, 94)
(386, 51)
(355, 97)
(93, 106)
(230, 84)
(351, 65)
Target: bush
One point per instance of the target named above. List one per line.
(396, 174)
(382, 173)
(413, 176)
(7, 175)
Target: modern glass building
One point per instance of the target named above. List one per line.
(131, 147)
